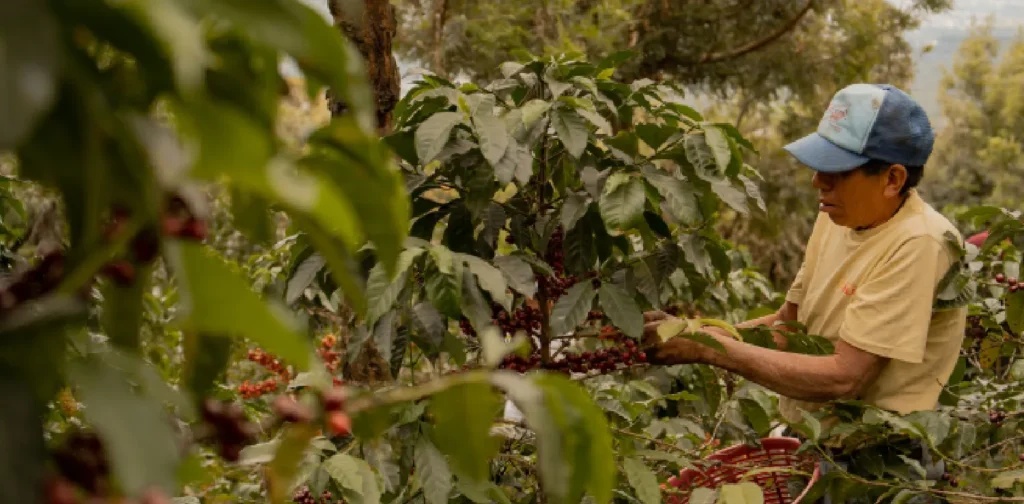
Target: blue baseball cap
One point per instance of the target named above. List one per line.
(864, 122)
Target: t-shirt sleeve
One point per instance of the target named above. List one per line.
(891, 311)
(795, 294)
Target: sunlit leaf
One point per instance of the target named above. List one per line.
(220, 301)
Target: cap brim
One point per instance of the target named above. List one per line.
(822, 155)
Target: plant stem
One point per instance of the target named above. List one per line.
(542, 298)
(406, 394)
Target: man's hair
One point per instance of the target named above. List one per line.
(914, 173)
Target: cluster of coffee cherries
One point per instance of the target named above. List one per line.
(330, 357)
(526, 318)
(249, 390)
(229, 427)
(176, 220)
(305, 496)
(604, 360)
(949, 478)
(45, 276)
(84, 475)
(974, 328)
(996, 416)
(1011, 282)
(36, 282)
(555, 286)
(288, 409)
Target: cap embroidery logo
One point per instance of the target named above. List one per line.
(837, 113)
(849, 289)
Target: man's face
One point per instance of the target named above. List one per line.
(854, 199)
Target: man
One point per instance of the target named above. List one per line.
(869, 275)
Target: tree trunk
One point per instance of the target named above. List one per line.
(439, 18)
(371, 26)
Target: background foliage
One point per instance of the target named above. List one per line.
(213, 290)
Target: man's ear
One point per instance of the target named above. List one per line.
(895, 178)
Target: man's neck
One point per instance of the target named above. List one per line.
(890, 215)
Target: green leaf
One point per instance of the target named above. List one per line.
(220, 301)
(622, 309)
(122, 310)
(754, 413)
(731, 196)
(474, 306)
(934, 426)
(433, 472)
(355, 477)
(654, 135)
(494, 139)
(701, 495)
(753, 191)
(574, 208)
(1008, 479)
(21, 434)
(586, 440)
(432, 135)
(303, 33)
(29, 69)
(572, 308)
(384, 334)
(699, 154)
(494, 221)
(571, 130)
(680, 197)
(303, 277)
(463, 415)
(383, 291)
(518, 274)
(517, 163)
(206, 358)
(445, 293)
(719, 145)
(742, 493)
(136, 431)
(1015, 311)
(483, 493)
(627, 145)
(622, 203)
(380, 455)
(363, 169)
(533, 111)
(595, 118)
(736, 136)
(810, 427)
(643, 480)
(429, 320)
(490, 279)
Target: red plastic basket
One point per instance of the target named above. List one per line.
(740, 459)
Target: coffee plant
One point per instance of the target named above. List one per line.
(451, 313)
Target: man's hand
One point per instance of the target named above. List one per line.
(672, 352)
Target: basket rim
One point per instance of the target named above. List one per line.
(770, 443)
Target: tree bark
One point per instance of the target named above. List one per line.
(440, 17)
(371, 26)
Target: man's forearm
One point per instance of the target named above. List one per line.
(804, 377)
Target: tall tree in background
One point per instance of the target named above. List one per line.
(979, 156)
(370, 25)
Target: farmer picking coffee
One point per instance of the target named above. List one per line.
(869, 275)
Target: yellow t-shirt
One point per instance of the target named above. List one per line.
(875, 289)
